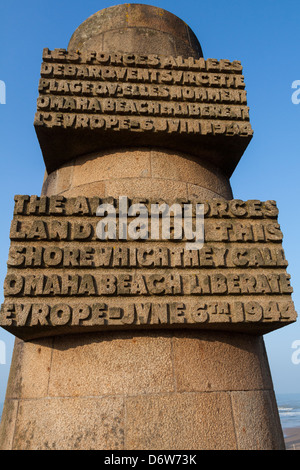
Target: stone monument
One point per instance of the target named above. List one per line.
(145, 342)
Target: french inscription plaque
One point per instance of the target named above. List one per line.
(90, 101)
(63, 279)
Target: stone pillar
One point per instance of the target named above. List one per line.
(140, 390)
(143, 172)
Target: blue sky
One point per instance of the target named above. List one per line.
(263, 34)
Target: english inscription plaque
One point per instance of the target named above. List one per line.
(63, 279)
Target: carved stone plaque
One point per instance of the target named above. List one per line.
(92, 101)
(62, 278)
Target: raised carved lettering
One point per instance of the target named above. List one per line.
(142, 314)
(62, 278)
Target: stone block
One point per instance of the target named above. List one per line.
(7, 425)
(154, 188)
(112, 165)
(189, 421)
(173, 165)
(70, 424)
(257, 421)
(88, 190)
(30, 369)
(58, 181)
(141, 40)
(107, 364)
(49, 184)
(208, 356)
(131, 18)
(203, 194)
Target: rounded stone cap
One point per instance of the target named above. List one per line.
(136, 28)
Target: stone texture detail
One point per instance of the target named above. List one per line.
(204, 371)
(136, 172)
(137, 391)
(84, 424)
(133, 26)
(156, 422)
(31, 361)
(257, 406)
(150, 378)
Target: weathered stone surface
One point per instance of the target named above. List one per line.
(176, 422)
(127, 391)
(97, 189)
(113, 166)
(136, 26)
(156, 188)
(207, 366)
(198, 192)
(111, 353)
(30, 369)
(115, 173)
(7, 425)
(257, 421)
(185, 168)
(83, 424)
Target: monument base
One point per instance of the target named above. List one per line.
(141, 391)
